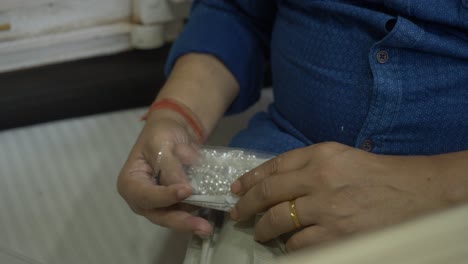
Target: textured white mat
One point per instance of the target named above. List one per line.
(58, 200)
(58, 197)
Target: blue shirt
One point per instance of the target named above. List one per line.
(389, 76)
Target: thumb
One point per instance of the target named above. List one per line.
(167, 165)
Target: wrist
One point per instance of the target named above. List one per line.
(418, 176)
(452, 172)
(173, 109)
(204, 85)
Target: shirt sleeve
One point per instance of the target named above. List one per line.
(238, 33)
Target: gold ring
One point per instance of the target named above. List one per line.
(5, 27)
(292, 210)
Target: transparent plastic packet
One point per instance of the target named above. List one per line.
(214, 172)
(210, 171)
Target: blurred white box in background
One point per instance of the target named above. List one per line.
(12, 4)
(38, 32)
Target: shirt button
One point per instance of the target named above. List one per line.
(382, 56)
(367, 145)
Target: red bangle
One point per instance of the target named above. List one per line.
(182, 110)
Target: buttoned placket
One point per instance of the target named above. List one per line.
(386, 92)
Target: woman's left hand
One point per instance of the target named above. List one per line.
(338, 190)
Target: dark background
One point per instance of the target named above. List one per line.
(78, 88)
(84, 87)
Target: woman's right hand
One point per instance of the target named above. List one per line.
(152, 180)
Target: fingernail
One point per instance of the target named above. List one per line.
(183, 193)
(202, 234)
(257, 238)
(236, 187)
(234, 214)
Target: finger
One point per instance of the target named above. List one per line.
(179, 220)
(187, 154)
(164, 162)
(292, 160)
(138, 188)
(278, 220)
(269, 192)
(156, 196)
(309, 237)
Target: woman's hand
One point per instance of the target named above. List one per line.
(152, 180)
(203, 85)
(338, 190)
